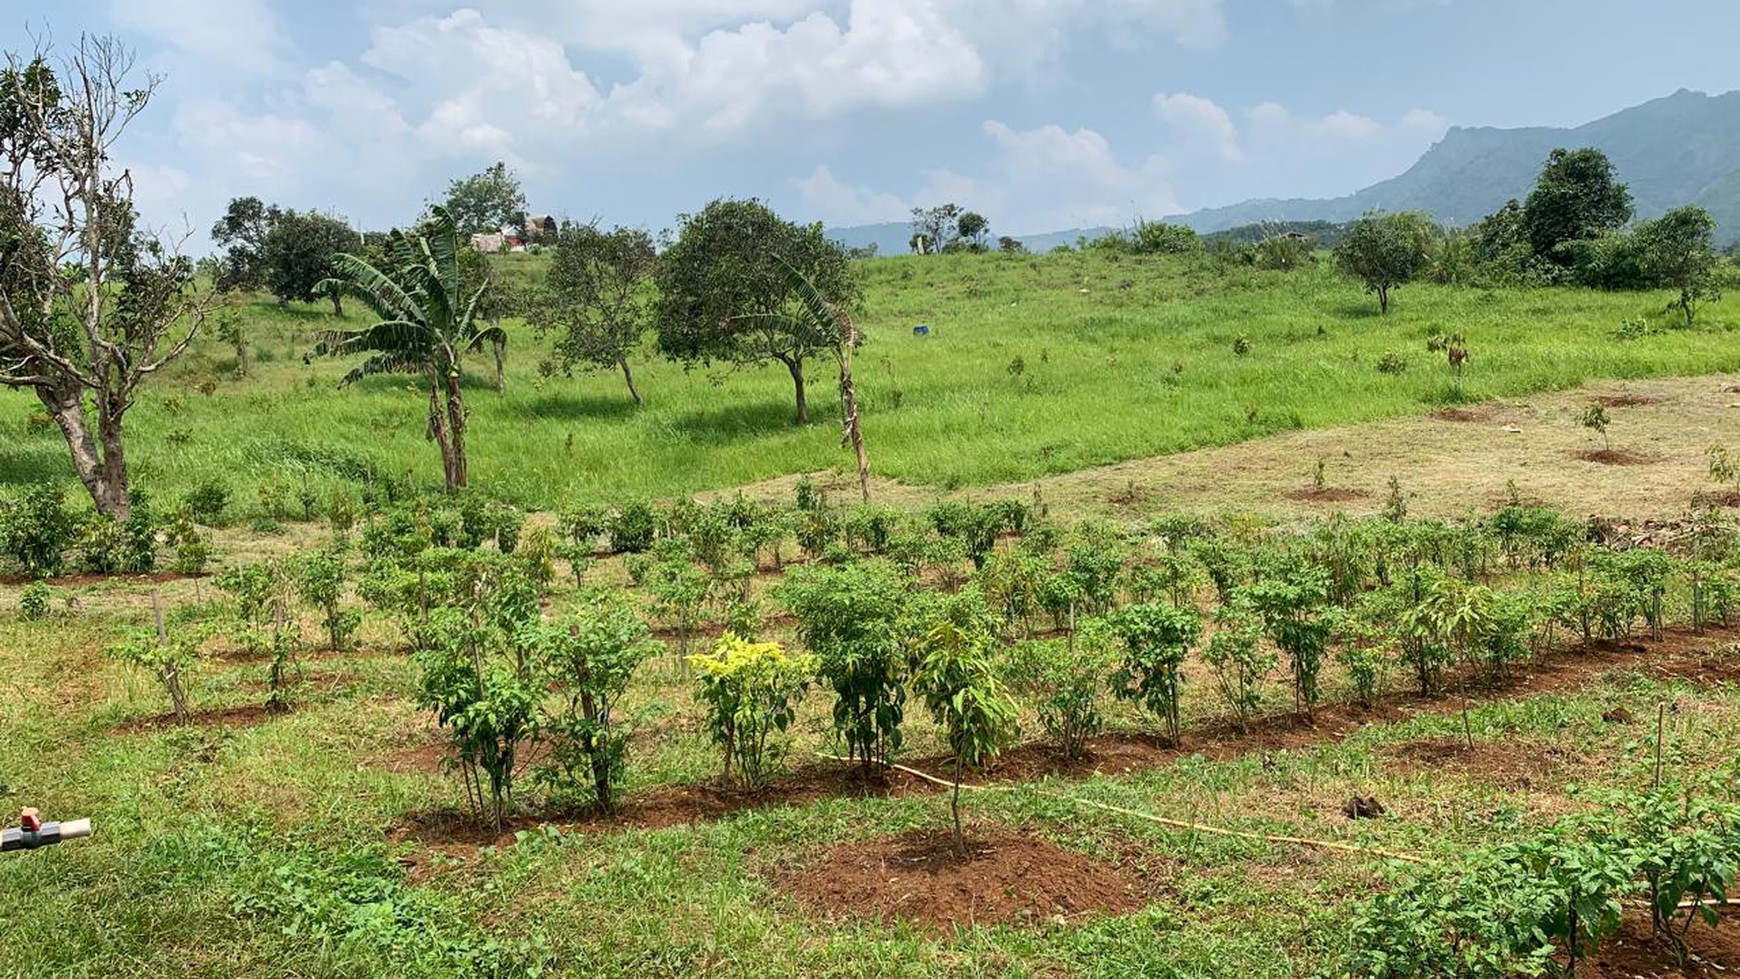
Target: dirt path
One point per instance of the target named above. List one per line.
(1448, 461)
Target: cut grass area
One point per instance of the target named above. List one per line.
(1119, 358)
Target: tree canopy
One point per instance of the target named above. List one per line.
(485, 201)
(241, 232)
(595, 298)
(91, 304)
(1384, 251)
(723, 282)
(296, 256)
(1577, 197)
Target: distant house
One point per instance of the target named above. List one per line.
(540, 228)
(488, 243)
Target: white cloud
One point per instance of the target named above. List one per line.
(839, 203)
(1201, 121)
(1043, 179)
(242, 35)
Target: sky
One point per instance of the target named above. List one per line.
(1043, 115)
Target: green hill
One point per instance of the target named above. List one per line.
(1682, 149)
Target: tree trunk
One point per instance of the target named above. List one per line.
(628, 376)
(1383, 300)
(456, 428)
(102, 470)
(337, 303)
(854, 433)
(438, 432)
(796, 367)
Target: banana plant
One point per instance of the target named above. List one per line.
(427, 324)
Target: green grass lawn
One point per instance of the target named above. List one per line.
(1034, 365)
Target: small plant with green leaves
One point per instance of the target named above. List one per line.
(33, 601)
(37, 530)
(1724, 468)
(192, 547)
(588, 659)
(1154, 640)
(1240, 660)
(1454, 347)
(631, 528)
(752, 692)
(849, 619)
(1595, 419)
(679, 589)
(1241, 346)
(957, 677)
(1290, 602)
(1065, 680)
(486, 699)
(320, 583)
(165, 658)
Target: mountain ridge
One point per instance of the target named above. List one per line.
(1679, 149)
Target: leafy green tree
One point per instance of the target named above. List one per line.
(296, 257)
(724, 283)
(241, 232)
(427, 324)
(486, 201)
(849, 618)
(596, 298)
(1291, 603)
(1155, 639)
(973, 231)
(589, 659)
(936, 230)
(1383, 251)
(487, 701)
(1678, 250)
(1011, 246)
(91, 304)
(1065, 681)
(957, 677)
(1576, 197)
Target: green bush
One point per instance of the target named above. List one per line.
(1064, 681)
(1154, 641)
(36, 529)
(33, 601)
(751, 691)
(848, 617)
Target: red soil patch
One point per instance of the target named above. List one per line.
(1635, 952)
(1460, 415)
(1626, 400)
(920, 877)
(246, 715)
(1327, 494)
(1615, 457)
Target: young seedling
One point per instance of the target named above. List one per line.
(957, 677)
(1595, 417)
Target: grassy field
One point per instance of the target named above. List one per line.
(1034, 365)
(317, 843)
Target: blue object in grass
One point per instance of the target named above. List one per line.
(921, 330)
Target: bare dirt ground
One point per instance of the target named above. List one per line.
(1449, 461)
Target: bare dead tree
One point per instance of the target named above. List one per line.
(91, 305)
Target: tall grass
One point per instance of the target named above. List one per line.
(1033, 365)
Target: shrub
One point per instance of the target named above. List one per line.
(631, 528)
(33, 601)
(1240, 661)
(164, 660)
(1392, 363)
(1155, 639)
(679, 591)
(36, 530)
(320, 578)
(1064, 681)
(192, 548)
(486, 700)
(752, 691)
(1290, 604)
(848, 618)
(207, 502)
(588, 660)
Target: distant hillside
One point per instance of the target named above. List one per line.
(892, 238)
(1683, 149)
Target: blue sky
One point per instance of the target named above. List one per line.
(1043, 114)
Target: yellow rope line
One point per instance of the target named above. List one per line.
(1161, 820)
